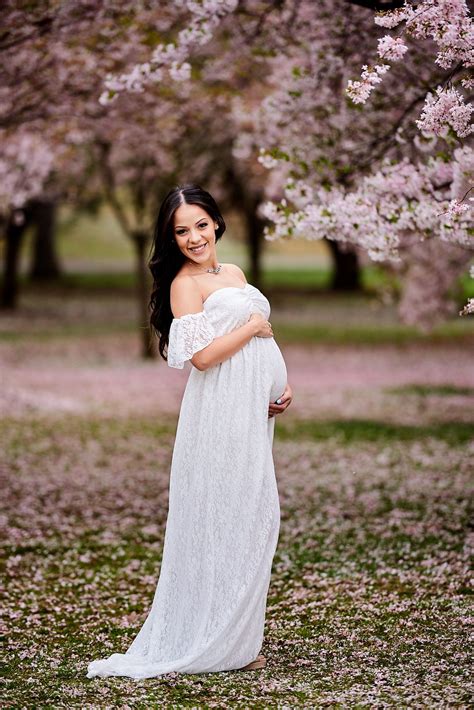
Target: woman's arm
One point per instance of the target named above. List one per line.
(185, 298)
(224, 346)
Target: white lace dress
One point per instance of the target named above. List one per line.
(208, 610)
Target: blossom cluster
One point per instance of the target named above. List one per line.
(448, 24)
(359, 91)
(396, 201)
(206, 16)
(391, 48)
(468, 308)
(26, 161)
(446, 111)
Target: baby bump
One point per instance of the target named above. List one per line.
(276, 368)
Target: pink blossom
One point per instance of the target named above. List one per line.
(448, 24)
(267, 160)
(390, 19)
(180, 72)
(206, 18)
(359, 91)
(26, 162)
(456, 208)
(390, 48)
(443, 110)
(468, 308)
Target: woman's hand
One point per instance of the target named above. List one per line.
(285, 401)
(263, 328)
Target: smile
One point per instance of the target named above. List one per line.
(199, 249)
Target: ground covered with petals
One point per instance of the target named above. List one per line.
(370, 593)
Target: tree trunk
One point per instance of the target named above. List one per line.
(14, 234)
(346, 274)
(247, 200)
(45, 263)
(148, 344)
(254, 226)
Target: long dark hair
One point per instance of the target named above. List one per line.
(166, 259)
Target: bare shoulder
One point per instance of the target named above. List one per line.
(185, 296)
(234, 269)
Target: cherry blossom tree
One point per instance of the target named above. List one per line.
(129, 152)
(59, 143)
(417, 193)
(263, 84)
(383, 179)
(445, 117)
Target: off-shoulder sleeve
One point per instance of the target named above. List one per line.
(188, 334)
(259, 301)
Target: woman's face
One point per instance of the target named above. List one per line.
(194, 232)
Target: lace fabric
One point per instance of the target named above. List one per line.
(188, 334)
(208, 611)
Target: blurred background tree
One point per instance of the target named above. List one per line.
(249, 99)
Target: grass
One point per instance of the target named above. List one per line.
(90, 281)
(337, 334)
(315, 279)
(43, 434)
(301, 278)
(428, 390)
(86, 330)
(360, 430)
(369, 597)
(286, 333)
(90, 303)
(373, 278)
(370, 594)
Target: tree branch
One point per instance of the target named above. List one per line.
(378, 5)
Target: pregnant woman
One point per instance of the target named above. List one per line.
(208, 610)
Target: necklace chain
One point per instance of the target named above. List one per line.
(213, 271)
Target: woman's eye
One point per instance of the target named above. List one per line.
(204, 224)
(181, 231)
